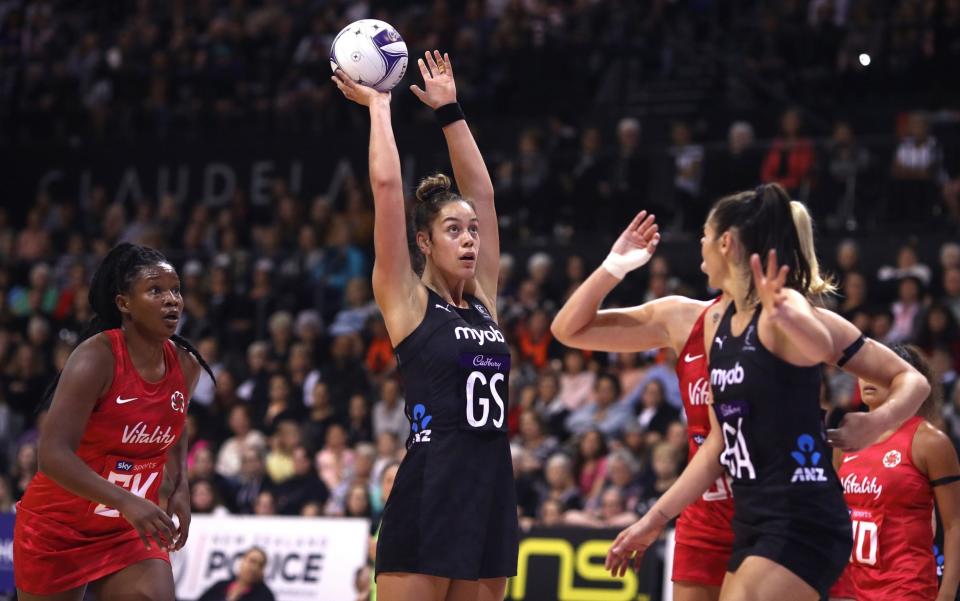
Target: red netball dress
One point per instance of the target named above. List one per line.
(62, 541)
(891, 504)
(704, 537)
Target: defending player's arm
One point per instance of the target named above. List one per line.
(581, 324)
(871, 361)
(699, 475)
(85, 377)
(473, 179)
(935, 456)
(175, 469)
(395, 285)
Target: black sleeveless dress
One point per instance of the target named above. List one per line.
(453, 509)
(788, 502)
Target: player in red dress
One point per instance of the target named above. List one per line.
(704, 537)
(890, 487)
(111, 436)
(704, 534)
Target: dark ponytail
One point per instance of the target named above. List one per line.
(116, 272)
(764, 220)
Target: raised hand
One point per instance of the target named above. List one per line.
(356, 92)
(635, 245)
(630, 545)
(770, 284)
(437, 73)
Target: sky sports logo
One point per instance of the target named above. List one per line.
(123, 466)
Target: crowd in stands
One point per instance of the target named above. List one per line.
(307, 414)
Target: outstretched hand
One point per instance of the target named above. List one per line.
(627, 550)
(634, 247)
(770, 284)
(643, 233)
(356, 92)
(437, 73)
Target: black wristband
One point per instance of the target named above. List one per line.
(448, 113)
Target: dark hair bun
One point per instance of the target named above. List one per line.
(433, 187)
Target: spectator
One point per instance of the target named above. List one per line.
(280, 461)
(248, 583)
(280, 405)
(560, 484)
(534, 440)
(335, 459)
(628, 172)
(854, 293)
(205, 498)
(201, 467)
(230, 455)
(589, 179)
(654, 413)
(344, 373)
(916, 165)
(303, 375)
(666, 461)
(790, 160)
(304, 487)
(734, 168)
(906, 310)
(938, 329)
(611, 513)
(389, 415)
(322, 416)
(551, 514)
(251, 481)
(358, 308)
(606, 413)
(951, 290)
(265, 504)
(535, 341)
(847, 163)
(358, 502)
(687, 174)
(24, 469)
(591, 464)
(576, 382)
(359, 423)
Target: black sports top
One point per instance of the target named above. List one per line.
(769, 412)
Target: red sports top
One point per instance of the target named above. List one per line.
(706, 522)
(126, 441)
(891, 505)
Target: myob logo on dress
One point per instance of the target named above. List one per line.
(490, 334)
(721, 378)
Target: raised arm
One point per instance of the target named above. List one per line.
(875, 363)
(798, 336)
(395, 285)
(581, 324)
(469, 170)
(86, 376)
